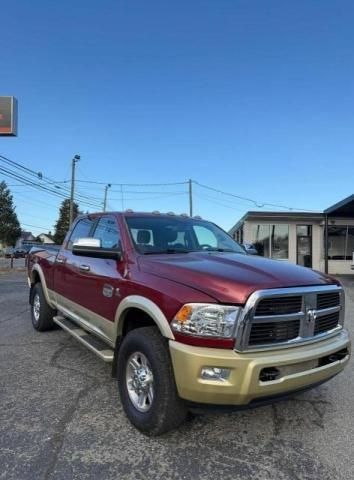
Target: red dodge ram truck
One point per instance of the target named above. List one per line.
(187, 318)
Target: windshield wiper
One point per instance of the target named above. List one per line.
(217, 250)
(168, 250)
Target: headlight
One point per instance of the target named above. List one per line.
(206, 319)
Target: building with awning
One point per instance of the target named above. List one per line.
(323, 241)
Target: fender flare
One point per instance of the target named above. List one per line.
(38, 269)
(147, 306)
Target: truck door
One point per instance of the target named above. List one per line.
(92, 285)
(66, 274)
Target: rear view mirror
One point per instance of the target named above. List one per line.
(91, 247)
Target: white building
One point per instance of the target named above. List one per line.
(322, 241)
(46, 238)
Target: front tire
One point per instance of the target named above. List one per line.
(41, 313)
(146, 382)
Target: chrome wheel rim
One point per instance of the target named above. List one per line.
(36, 308)
(140, 382)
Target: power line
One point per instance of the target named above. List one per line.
(147, 198)
(48, 181)
(30, 200)
(133, 184)
(255, 202)
(35, 226)
(51, 186)
(89, 197)
(22, 167)
(180, 192)
(230, 201)
(216, 202)
(29, 182)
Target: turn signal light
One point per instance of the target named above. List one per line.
(183, 314)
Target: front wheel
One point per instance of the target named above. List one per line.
(146, 382)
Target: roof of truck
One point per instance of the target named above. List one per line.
(131, 213)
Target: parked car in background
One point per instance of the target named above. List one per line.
(9, 252)
(250, 249)
(20, 253)
(29, 246)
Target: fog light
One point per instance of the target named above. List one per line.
(215, 373)
(269, 374)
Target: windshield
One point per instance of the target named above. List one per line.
(179, 235)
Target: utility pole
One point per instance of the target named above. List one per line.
(190, 198)
(73, 166)
(105, 196)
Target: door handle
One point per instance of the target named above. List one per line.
(84, 268)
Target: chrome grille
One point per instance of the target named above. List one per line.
(327, 300)
(273, 332)
(290, 316)
(279, 306)
(326, 322)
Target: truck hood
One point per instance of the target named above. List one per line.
(230, 277)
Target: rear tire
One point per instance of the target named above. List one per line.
(41, 313)
(146, 382)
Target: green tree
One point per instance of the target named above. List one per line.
(62, 224)
(10, 229)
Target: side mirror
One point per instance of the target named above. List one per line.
(91, 247)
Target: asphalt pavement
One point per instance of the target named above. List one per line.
(61, 418)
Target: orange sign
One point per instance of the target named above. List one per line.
(8, 116)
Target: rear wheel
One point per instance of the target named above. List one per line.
(146, 382)
(41, 313)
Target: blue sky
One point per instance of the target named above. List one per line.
(252, 97)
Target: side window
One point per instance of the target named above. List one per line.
(82, 230)
(107, 231)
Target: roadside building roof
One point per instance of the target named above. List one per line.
(269, 216)
(344, 208)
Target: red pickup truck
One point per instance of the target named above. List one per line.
(188, 319)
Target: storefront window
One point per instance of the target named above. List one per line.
(280, 241)
(271, 240)
(304, 245)
(336, 242)
(261, 239)
(350, 243)
(238, 235)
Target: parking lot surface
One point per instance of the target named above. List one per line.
(61, 418)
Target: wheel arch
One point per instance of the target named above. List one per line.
(37, 276)
(139, 312)
(135, 304)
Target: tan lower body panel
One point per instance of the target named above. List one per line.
(298, 367)
(87, 319)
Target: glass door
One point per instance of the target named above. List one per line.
(304, 245)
